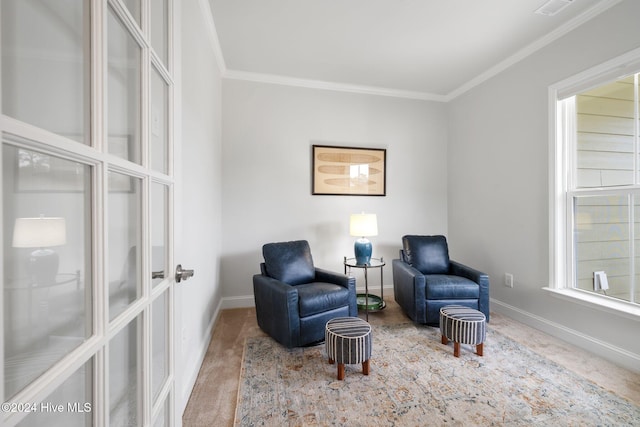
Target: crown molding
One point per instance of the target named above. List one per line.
(324, 85)
(534, 47)
(207, 14)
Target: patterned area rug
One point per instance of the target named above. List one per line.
(416, 381)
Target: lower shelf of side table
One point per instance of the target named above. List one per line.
(370, 302)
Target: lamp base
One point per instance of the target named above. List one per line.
(43, 266)
(362, 249)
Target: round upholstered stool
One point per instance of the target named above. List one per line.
(348, 340)
(462, 325)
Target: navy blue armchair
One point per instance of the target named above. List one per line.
(294, 300)
(425, 279)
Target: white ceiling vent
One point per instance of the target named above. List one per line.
(552, 7)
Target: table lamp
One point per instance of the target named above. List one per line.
(41, 233)
(363, 225)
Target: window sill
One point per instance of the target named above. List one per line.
(600, 302)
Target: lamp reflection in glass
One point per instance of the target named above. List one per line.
(42, 233)
(363, 225)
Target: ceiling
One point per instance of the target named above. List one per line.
(425, 49)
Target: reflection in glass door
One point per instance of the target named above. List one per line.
(86, 190)
(47, 310)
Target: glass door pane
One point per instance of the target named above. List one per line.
(160, 29)
(159, 269)
(69, 405)
(134, 9)
(164, 416)
(124, 83)
(159, 342)
(125, 262)
(159, 122)
(47, 261)
(45, 72)
(124, 375)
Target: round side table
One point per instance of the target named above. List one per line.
(371, 302)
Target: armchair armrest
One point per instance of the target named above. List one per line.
(409, 290)
(277, 309)
(343, 280)
(459, 269)
(480, 278)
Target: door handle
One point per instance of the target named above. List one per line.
(157, 274)
(182, 274)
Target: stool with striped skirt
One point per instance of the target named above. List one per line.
(462, 325)
(348, 340)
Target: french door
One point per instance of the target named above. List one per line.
(87, 214)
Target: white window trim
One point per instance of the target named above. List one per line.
(599, 302)
(560, 263)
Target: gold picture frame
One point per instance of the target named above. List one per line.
(348, 171)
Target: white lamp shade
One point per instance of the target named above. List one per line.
(39, 232)
(363, 225)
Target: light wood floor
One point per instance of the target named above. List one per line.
(213, 400)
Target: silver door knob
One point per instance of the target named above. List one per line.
(182, 274)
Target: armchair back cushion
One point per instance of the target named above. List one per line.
(289, 262)
(427, 254)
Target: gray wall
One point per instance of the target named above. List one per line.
(498, 184)
(268, 131)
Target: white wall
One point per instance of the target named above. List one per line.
(198, 231)
(498, 197)
(268, 131)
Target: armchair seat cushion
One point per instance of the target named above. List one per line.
(317, 297)
(443, 286)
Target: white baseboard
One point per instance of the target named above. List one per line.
(238, 302)
(617, 355)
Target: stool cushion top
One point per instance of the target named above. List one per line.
(462, 313)
(348, 327)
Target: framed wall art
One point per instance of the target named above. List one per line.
(348, 171)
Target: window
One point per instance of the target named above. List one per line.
(596, 186)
